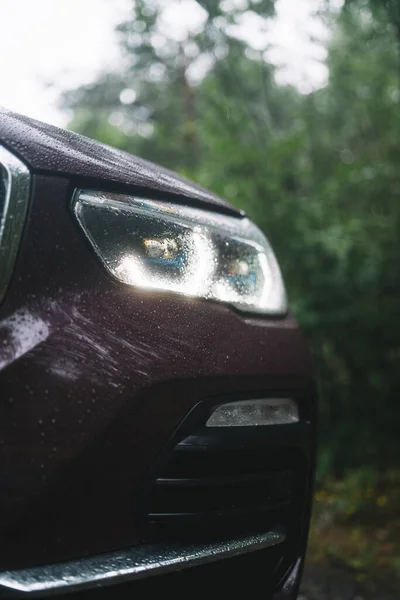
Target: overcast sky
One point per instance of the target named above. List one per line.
(48, 45)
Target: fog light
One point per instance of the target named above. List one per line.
(251, 413)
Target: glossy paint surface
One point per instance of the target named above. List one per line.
(51, 150)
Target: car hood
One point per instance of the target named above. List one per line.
(54, 151)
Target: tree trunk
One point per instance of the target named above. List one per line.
(189, 115)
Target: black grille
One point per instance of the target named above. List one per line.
(212, 481)
(206, 492)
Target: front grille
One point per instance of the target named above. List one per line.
(224, 497)
(206, 492)
(224, 483)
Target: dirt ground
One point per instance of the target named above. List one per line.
(326, 583)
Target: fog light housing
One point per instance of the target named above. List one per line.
(255, 413)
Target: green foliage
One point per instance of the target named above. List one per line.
(318, 172)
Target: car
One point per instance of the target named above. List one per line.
(158, 405)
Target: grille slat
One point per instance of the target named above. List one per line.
(243, 495)
(229, 513)
(216, 481)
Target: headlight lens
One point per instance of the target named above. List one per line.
(190, 251)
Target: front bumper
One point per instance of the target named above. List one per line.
(128, 565)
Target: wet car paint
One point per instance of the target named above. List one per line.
(49, 150)
(86, 404)
(95, 376)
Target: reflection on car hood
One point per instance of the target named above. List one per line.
(51, 150)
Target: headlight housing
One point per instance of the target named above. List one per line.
(184, 250)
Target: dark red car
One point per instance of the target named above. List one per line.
(157, 402)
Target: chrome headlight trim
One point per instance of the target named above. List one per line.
(15, 179)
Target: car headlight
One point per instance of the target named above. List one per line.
(190, 251)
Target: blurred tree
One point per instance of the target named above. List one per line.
(386, 11)
(318, 172)
(154, 94)
(350, 309)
